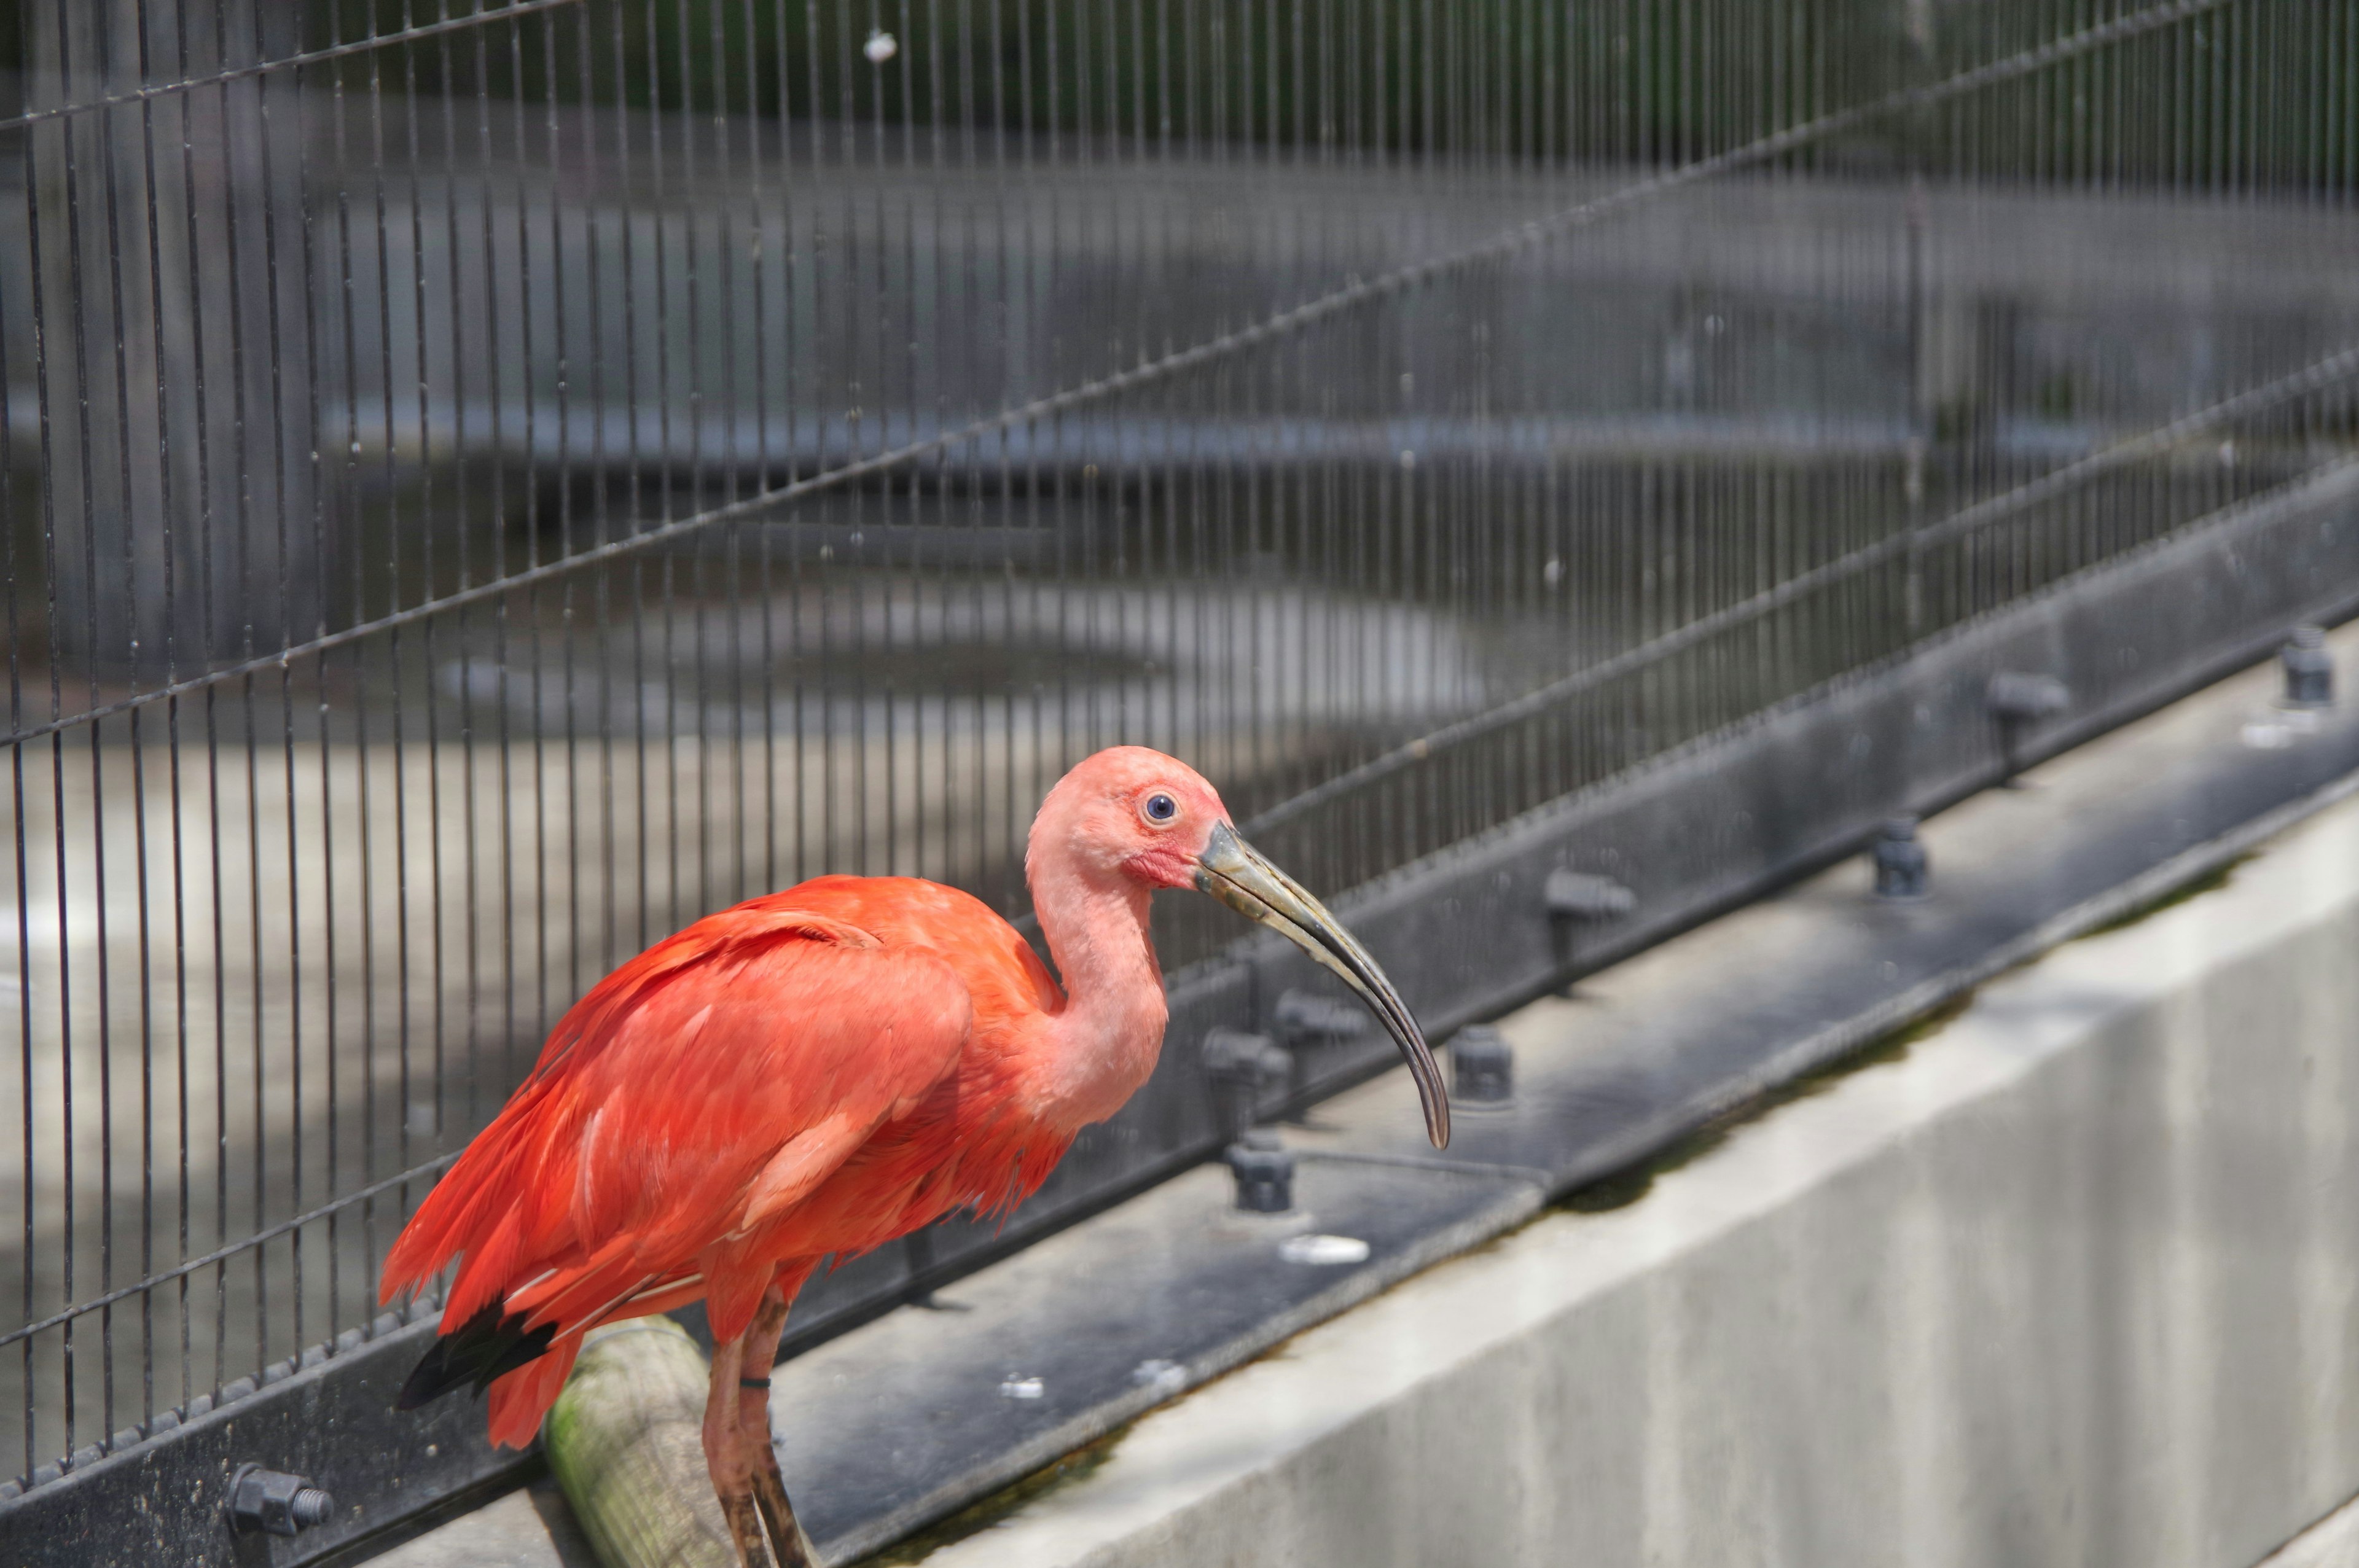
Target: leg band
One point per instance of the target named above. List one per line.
(752, 1382)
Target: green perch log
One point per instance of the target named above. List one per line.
(623, 1442)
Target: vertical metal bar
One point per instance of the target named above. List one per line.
(496, 380)
(79, 372)
(733, 434)
(209, 537)
(634, 394)
(776, 258)
(697, 620)
(111, 178)
(166, 499)
(280, 466)
(183, 1234)
(463, 468)
(398, 736)
(329, 1040)
(543, 910)
(9, 550)
(345, 454)
(594, 238)
(437, 882)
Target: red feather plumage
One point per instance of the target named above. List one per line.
(811, 1073)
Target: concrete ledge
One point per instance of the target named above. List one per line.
(2332, 1542)
(2074, 1281)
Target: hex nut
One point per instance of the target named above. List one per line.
(1264, 1178)
(275, 1502)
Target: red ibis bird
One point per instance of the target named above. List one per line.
(813, 1073)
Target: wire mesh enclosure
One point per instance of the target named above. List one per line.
(485, 485)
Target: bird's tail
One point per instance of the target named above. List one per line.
(523, 1362)
(520, 1399)
(482, 1350)
(524, 1368)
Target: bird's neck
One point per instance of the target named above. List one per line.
(1103, 1044)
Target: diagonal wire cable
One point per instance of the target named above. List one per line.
(223, 1254)
(2147, 444)
(1505, 243)
(2055, 482)
(285, 62)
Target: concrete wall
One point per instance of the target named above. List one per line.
(2074, 1280)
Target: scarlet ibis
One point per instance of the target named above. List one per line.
(813, 1073)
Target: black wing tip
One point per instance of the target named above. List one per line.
(487, 1347)
(426, 1381)
(522, 1351)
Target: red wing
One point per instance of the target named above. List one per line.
(724, 1070)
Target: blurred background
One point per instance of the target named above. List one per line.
(484, 484)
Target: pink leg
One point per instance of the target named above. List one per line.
(726, 1455)
(793, 1547)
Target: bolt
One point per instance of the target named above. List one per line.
(1481, 1068)
(1264, 1176)
(1575, 899)
(2309, 669)
(275, 1502)
(2017, 697)
(1304, 1016)
(2017, 701)
(1579, 895)
(1900, 863)
(1255, 1058)
(1240, 1066)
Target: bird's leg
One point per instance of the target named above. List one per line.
(727, 1456)
(793, 1547)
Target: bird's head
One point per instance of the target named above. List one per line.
(1136, 815)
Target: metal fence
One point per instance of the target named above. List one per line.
(485, 486)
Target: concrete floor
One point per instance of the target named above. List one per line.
(529, 1528)
(2332, 1542)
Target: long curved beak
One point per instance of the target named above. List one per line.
(1234, 872)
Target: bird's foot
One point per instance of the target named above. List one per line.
(793, 1548)
(745, 1520)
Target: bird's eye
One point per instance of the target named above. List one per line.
(1158, 808)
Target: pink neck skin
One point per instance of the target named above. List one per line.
(1102, 1044)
